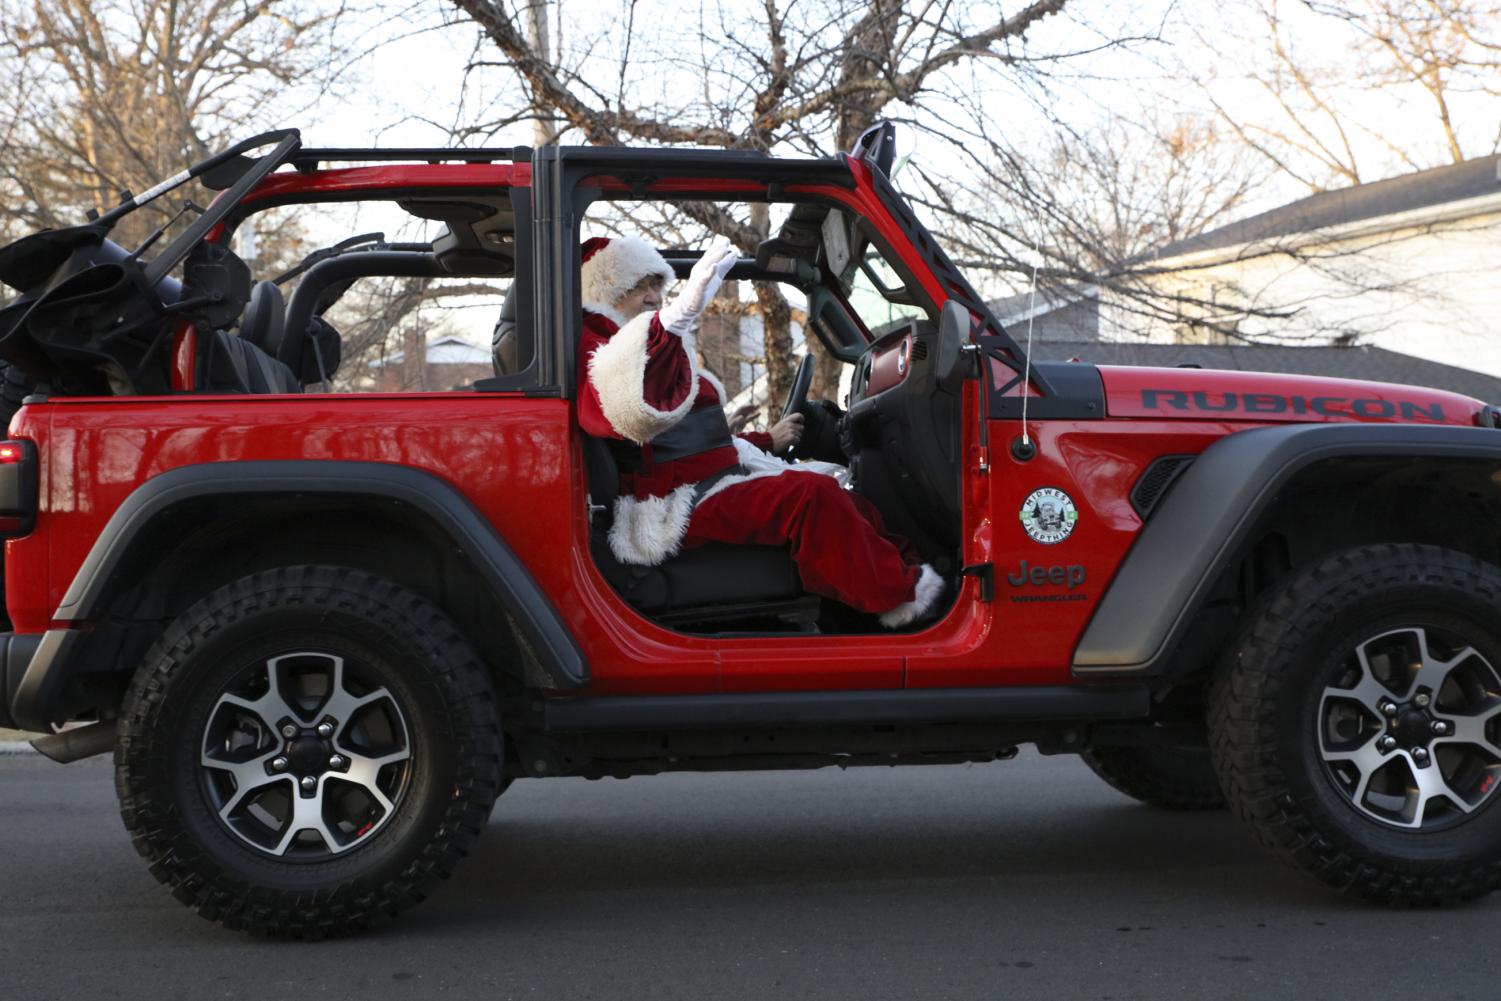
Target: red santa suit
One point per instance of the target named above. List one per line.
(685, 480)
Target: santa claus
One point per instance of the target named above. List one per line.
(685, 479)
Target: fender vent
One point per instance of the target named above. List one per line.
(1154, 483)
(919, 350)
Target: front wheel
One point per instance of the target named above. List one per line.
(1357, 724)
(306, 751)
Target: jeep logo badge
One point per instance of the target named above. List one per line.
(1048, 515)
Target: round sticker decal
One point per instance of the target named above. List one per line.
(1048, 515)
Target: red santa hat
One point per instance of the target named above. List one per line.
(612, 267)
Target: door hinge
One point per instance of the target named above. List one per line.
(986, 573)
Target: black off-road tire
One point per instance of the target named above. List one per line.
(1265, 725)
(1171, 778)
(416, 653)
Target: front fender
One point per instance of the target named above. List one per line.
(1199, 526)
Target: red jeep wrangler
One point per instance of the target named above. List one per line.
(322, 632)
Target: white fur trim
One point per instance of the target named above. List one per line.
(616, 317)
(617, 370)
(713, 380)
(929, 590)
(614, 269)
(649, 530)
(759, 463)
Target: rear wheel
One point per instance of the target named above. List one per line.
(306, 751)
(1173, 778)
(1357, 725)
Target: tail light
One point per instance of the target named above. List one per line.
(18, 487)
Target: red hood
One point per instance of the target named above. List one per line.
(1210, 394)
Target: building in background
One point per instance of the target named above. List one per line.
(1368, 280)
(1407, 264)
(443, 364)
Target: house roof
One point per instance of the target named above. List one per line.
(1423, 189)
(1366, 363)
(443, 351)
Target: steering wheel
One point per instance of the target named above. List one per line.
(801, 382)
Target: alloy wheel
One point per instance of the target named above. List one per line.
(1410, 732)
(303, 757)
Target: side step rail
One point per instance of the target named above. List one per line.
(932, 705)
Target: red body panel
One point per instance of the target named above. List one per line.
(518, 460)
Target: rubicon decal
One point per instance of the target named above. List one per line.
(1048, 515)
(1252, 404)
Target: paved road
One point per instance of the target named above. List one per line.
(1022, 880)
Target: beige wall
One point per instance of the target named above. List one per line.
(1427, 285)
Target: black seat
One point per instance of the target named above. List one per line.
(232, 364)
(713, 584)
(246, 363)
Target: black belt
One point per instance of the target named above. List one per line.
(708, 483)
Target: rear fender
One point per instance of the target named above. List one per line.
(422, 495)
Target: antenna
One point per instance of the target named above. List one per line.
(1031, 315)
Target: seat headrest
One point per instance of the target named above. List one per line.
(264, 318)
(503, 348)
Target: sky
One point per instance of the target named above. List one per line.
(412, 85)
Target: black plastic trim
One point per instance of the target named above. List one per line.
(1212, 507)
(1144, 496)
(1077, 393)
(930, 705)
(16, 652)
(652, 164)
(518, 593)
(307, 160)
(42, 676)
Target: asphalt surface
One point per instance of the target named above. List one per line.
(1029, 879)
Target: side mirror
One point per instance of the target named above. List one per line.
(953, 331)
(877, 147)
(885, 147)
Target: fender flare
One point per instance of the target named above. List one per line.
(441, 503)
(1210, 511)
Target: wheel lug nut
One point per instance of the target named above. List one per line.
(1440, 727)
(325, 730)
(1387, 743)
(1420, 700)
(1388, 708)
(337, 761)
(289, 731)
(278, 764)
(309, 783)
(1419, 754)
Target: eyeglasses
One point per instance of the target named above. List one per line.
(651, 283)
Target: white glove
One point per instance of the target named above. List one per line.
(680, 315)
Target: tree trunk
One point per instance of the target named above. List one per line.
(869, 41)
(544, 133)
(776, 320)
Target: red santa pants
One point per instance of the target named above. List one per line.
(839, 544)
